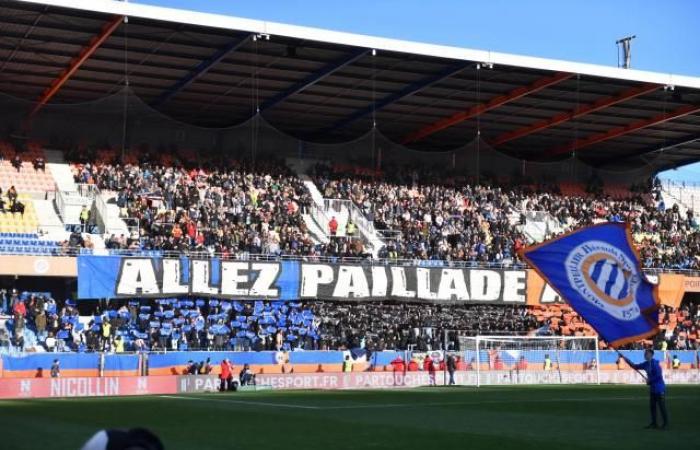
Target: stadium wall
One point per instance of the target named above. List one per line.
(67, 387)
(281, 363)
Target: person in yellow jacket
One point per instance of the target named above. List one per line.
(119, 344)
(347, 365)
(350, 229)
(547, 363)
(675, 362)
(84, 217)
(106, 333)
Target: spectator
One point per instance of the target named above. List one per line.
(17, 163)
(333, 226)
(39, 164)
(226, 376)
(50, 343)
(451, 367)
(246, 376)
(106, 334)
(55, 369)
(84, 218)
(350, 229)
(12, 195)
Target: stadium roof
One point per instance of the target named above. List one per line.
(215, 70)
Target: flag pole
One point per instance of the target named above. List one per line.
(626, 360)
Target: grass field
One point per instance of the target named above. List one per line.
(566, 418)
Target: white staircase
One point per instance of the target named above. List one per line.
(47, 218)
(60, 171)
(316, 231)
(108, 213)
(325, 209)
(339, 210)
(71, 197)
(315, 219)
(539, 225)
(685, 195)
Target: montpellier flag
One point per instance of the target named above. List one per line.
(597, 271)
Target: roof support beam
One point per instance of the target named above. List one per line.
(575, 113)
(312, 79)
(481, 108)
(199, 70)
(621, 131)
(408, 91)
(106, 31)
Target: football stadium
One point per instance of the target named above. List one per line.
(219, 232)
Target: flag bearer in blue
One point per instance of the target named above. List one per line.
(657, 387)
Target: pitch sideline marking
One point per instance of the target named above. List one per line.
(405, 405)
(242, 402)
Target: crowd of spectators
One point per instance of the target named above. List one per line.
(217, 324)
(399, 326)
(228, 210)
(163, 324)
(452, 219)
(236, 208)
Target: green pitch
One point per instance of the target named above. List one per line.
(563, 418)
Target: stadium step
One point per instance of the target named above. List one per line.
(113, 224)
(46, 215)
(339, 210)
(315, 231)
(62, 176)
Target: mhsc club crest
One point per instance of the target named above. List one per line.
(605, 277)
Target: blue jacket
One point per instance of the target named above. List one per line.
(655, 376)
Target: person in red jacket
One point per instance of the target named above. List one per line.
(333, 226)
(226, 375)
(430, 368)
(20, 312)
(398, 365)
(20, 309)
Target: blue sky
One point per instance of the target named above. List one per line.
(668, 31)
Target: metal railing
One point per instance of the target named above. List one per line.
(354, 213)
(102, 211)
(365, 227)
(321, 219)
(389, 235)
(75, 200)
(88, 190)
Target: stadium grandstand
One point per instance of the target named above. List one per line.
(289, 197)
